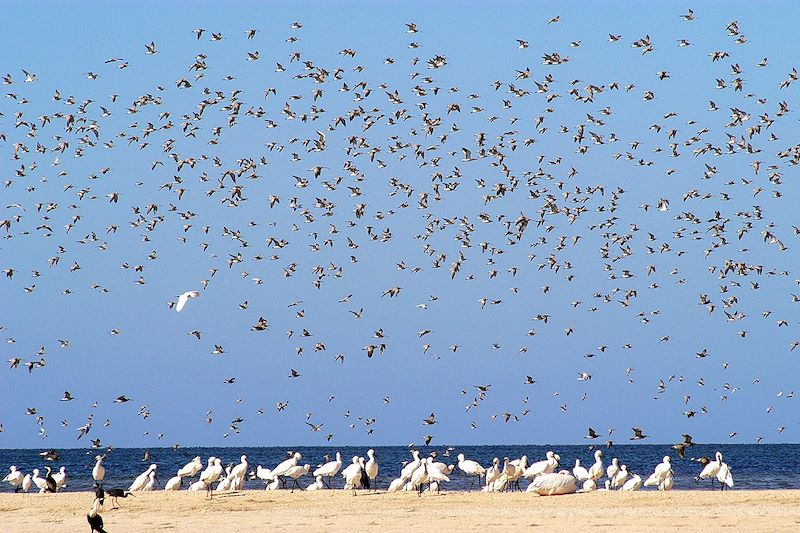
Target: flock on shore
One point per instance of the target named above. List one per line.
(546, 477)
(418, 474)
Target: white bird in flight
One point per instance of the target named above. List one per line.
(183, 298)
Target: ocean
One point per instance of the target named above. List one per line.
(754, 466)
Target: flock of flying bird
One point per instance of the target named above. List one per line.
(460, 173)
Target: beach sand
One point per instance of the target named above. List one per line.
(339, 511)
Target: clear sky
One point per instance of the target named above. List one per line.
(632, 293)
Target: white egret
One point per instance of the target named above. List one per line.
(329, 469)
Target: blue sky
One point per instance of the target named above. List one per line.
(157, 364)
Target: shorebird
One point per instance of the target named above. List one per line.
(471, 469)
(329, 469)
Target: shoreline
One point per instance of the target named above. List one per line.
(336, 510)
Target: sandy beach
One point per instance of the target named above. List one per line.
(340, 511)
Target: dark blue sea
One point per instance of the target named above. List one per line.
(754, 466)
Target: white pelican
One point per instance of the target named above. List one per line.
(142, 479)
(183, 298)
(580, 472)
(99, 471)
(60, 478)
(471, 469)
(174, 483)
(317, 485)
(551, 484)
(329, 469)
(14, 478)
(297, 472)
(612, 469)
(40, 482)
(371, 467)
(191, 468)
(548, 466)
(634, 483)
(596, 470)
(662, 477)
(619, 479)
(396, 484)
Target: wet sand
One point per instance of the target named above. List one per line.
(455, 511)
